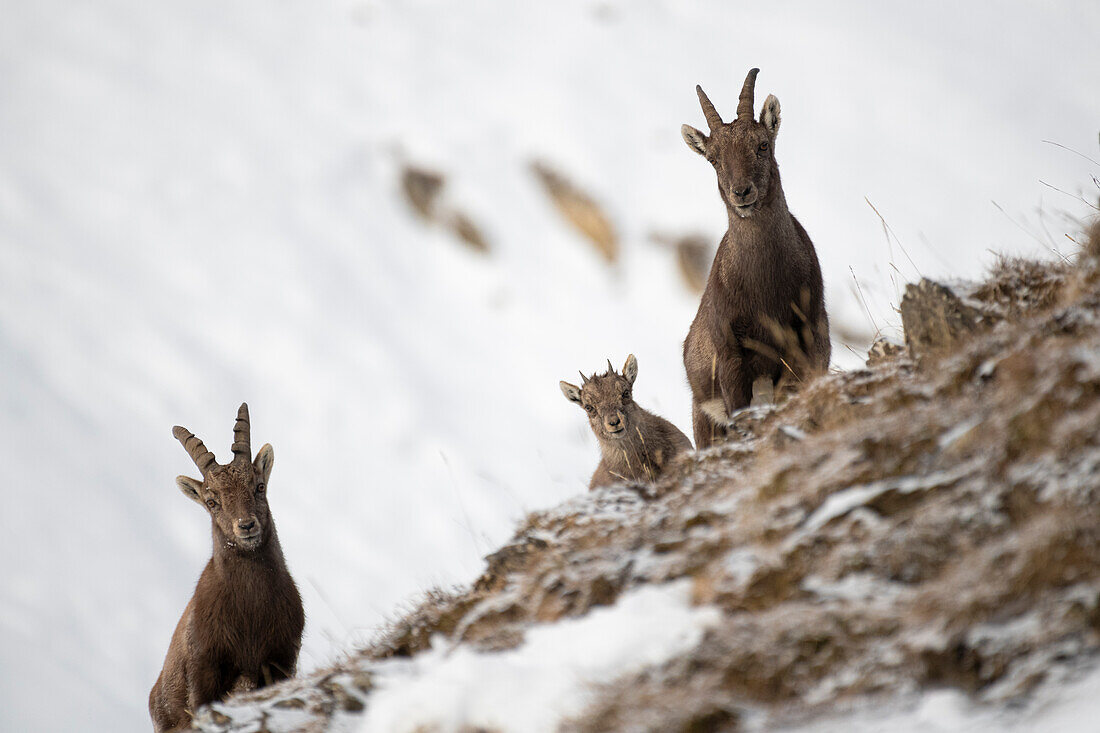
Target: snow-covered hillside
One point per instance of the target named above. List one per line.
(199, 205)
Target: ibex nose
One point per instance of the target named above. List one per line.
(613, 420)
(246, 525)
(743, 193)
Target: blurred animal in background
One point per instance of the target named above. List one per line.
(762, 313)
(635, 444)
(243, 626)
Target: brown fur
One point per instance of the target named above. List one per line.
(243, 626)
(762, 313)
(635, 444)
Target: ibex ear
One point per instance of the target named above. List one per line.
(696, 140)
(630, 369)
(769, 116)
(265, 459)
(571, 391)
(191, 488)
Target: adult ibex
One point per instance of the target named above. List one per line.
(243, 626)
(635, 444)
(763, 310)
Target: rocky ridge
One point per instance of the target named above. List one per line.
(930, 520)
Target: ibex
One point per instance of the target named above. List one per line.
(762, 313)
(636, 445)
(243, 626)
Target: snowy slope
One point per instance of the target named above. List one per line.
(199, 206)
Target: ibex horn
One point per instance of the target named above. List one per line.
(610, 369)
(714, 120)
(745, 101)
(242, 430)
(584, 379)
(203, 458)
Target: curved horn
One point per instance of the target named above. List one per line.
(714, 120)
(203, 458)
(610, 369)
(242, 434)
(745, 101)
(584, 379)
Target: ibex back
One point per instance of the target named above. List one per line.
(763, 310)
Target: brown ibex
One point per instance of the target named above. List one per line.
(243, 626)
(635, 444)
(762, 313)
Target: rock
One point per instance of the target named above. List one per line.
(345, 700)
(580, 210)
(883, 349)
(694, 255)
(423, 190)
(936, 315)
(465, 229)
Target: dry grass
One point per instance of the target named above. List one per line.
(580, 210)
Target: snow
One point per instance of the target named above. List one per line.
(854, 587)
(844, 501)
(199, 206)
(537, 685)
(1066, 706)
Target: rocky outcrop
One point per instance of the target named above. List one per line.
(931, 520)
(939, 314)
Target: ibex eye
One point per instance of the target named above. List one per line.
(590, 408)
(211, 503)
(763, 146)
(260, 488)
(626, 395)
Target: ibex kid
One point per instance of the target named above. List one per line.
(635, 444)
(243, 625)
(762, 313)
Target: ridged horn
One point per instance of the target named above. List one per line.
(714, 120)
(242, 434)
(203, 458)
(748, 90)
(610, 369)
(584, 379)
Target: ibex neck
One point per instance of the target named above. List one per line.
(763, 221)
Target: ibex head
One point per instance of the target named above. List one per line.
(608, 400)
(742, 151)
(235, 494)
